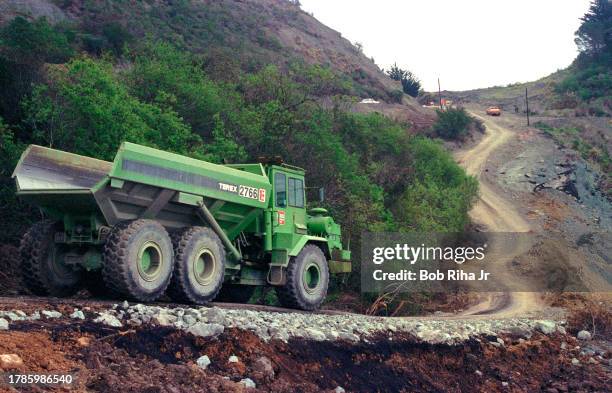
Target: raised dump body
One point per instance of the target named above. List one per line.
(231, 224)
(58, 181)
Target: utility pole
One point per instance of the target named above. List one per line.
(439, 94)
(527, 105)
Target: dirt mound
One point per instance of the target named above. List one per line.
(155, 359)
(38, 351)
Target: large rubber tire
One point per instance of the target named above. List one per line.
(41, 268)
(307, 280)
(234, 293)
(138, 260)
(199, 266)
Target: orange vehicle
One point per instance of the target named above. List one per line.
(494, 111)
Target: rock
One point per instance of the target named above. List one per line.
(15, 317)
(339, 389)
(500, 341)
(189, 320)
(281, 335)
(584, 335)
(505, 384)
(202, 329)
(519, 332)
(203, 362)
(84, 341)
(479, 373)
(546, 327)
(4, 325)
(348, 336)
(315, 334)
(108, 320)
(264, 365)
(592, 361)
(214, 315)
(190, 312)
(125, 305)
(51, 314)
(563, 345)
(10, 361)
(233, 359)
(134, 321)
(332, 335)
(163, 318)
(575, 361)
(77, 314)
(248, 383)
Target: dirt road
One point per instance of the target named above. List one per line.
(497, 214)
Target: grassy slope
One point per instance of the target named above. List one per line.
(252, 33)
(233, 35)
(541, 92)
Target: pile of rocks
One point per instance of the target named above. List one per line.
(212, 321)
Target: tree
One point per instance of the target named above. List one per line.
(85, 109)
(24, 48)
(411, 85)
(27, 43)
(594, 36)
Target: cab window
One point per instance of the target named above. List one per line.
(280, 187)
(296, 192)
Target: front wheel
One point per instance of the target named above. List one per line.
(307, 280)
(199, 266)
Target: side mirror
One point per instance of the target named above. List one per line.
(321, 194)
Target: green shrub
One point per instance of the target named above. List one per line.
(37, 42)
(396, 96)
(452, 123)
(440, 195)
(86, 110)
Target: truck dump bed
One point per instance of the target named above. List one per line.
(142, 182)
(41, 169)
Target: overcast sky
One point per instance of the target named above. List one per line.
(467, 43)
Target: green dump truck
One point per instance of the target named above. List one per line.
(154, 222)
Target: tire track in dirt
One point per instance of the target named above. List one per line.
(496, 214)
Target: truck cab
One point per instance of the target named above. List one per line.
(293, 226)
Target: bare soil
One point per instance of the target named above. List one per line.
(157, 359)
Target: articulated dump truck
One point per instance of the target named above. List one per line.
(153, 222)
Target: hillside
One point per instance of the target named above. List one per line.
(230, 34)
(541, 93)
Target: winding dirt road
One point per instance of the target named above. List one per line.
(496, 214)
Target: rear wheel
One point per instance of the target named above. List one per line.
(307, 280)
(137, 260)
(42, 266)
(199, 266)
(233, 293)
